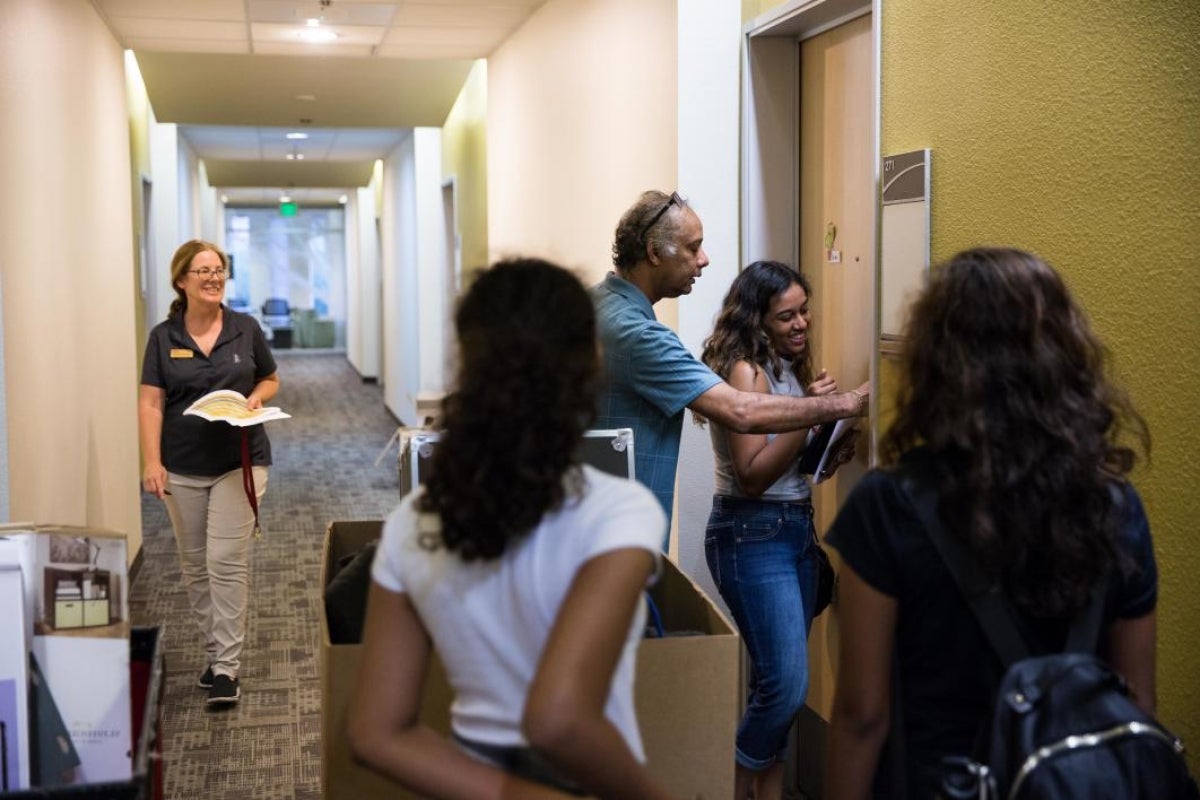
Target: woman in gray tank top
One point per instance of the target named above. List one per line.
(760, 544)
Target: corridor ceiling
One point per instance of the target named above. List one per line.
(237, 77)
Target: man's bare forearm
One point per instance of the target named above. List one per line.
(756, 412)
(772, 413)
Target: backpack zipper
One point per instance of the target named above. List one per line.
(1079, 741)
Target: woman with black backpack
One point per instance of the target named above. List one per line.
(1005, 415)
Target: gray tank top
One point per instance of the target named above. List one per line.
(792, 485)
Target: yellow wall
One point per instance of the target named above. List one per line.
(752, 8)
(464, 158)
(1073, 130)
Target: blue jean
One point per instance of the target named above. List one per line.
(760, 554)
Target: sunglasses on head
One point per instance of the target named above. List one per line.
(674, 200)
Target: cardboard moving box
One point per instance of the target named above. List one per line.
(687, 689)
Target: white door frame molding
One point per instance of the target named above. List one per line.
(771, 133)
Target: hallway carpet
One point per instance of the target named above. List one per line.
(268, 746)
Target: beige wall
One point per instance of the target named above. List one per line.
(581, 118)
(1073, 129)
(464, 159)
(141, 117)
(67, 264)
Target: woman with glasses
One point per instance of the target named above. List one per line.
(202, 470)
(760, 544)
(523, 568)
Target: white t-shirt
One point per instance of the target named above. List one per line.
(489, 620)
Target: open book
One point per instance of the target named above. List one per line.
(820, 456)
(226, 405)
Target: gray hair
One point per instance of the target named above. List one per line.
(639, 230)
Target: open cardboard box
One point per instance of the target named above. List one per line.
(687, 689)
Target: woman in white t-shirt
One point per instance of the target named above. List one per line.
(521, 567)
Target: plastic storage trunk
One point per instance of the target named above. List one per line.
(608, 450)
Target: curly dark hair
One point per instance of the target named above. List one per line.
(740, 331)
(1003, 385)
(512, 429)
(639, 229)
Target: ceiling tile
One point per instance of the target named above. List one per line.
(365, 144)
(267, 32)
(187, 46)
(148, 28)
(340, 13)
(308, 49)
(452, 15)
(231, 97)
(218, 135)
(529, 5)
(316, 137)
(478, 37)
(229, 10)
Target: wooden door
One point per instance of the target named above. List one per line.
(837, 198)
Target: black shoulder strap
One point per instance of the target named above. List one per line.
(987, 601)
(1084, 635)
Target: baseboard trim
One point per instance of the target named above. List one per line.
(363, 378)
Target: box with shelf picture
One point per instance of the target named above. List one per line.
(75, 599)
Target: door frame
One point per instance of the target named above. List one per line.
(770, 132)
(452, 256)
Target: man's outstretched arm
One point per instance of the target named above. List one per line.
(754, 412)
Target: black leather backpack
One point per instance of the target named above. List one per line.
(1063, 726)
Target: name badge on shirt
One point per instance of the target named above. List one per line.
(181, 352)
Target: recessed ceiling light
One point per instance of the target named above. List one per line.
(317, 35)
(224, 198)
(306, 98)
(284, 198)
(343, 199)
(297, 135)
(312, 22)
(290, 156)
(299, 156)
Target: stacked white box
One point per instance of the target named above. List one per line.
(14, 671)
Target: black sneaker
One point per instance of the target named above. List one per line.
(206, 680)
(224, 691)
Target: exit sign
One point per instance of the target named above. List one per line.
(287, 209)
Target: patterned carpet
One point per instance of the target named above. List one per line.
(268, 746)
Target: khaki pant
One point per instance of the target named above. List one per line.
(213, 524)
